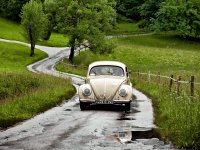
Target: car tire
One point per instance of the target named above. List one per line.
(128, 106)
(83, 105)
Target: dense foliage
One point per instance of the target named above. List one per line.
(182, 16)
(12, 8)
(158, 15)
(164, 15)
(130, 8)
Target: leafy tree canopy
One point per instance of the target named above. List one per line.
(182, 16)
(86, 20)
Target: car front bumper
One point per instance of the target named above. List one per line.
(105, 101)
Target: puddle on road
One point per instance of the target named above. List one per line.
(145, 134)
(131, 133)
(130, 136)
(126, 118)
(68, 109)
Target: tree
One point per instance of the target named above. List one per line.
(148, 10)
(50, 9)
(11, 8)
(168, 16)
(130, 8)
(86, 20)
(181, 16)
(34, 22)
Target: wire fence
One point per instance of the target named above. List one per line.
(177, 82)
(174, 83)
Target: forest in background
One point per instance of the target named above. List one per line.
(182, 16)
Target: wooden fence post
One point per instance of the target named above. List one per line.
(178, 85)
(158, 78)
(192, 85)
(171, 82)
(149, 77)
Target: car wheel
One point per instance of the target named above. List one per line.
(83, 106)
(128, 106)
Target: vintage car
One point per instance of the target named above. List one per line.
(107, 82)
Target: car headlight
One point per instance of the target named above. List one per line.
(87, 92)
(122, 92)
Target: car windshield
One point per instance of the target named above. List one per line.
(106, 70)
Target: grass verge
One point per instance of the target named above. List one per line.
(176, 116)
(22, 94)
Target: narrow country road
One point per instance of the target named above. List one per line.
(67, 127)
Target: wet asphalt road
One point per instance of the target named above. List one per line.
(67, 127)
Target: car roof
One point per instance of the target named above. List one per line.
(109, 63)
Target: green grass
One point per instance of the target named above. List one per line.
(13, 31)
(56, 40)
(66, 66)
(23, 94)
(30, 95)
(15, 58)
(126, 29)
(177, 116)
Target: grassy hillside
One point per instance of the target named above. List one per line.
(23, 94)
(15, 58)
(177, 116)
(13, 31)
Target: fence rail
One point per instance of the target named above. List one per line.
(178, 81)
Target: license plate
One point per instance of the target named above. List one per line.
(104, 102)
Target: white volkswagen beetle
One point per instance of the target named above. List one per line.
(107, 82)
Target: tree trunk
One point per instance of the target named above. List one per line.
(72, 44)
(31, 41)
(32, 49)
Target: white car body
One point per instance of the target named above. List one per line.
(107, 82)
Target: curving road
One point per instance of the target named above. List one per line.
(66, 127)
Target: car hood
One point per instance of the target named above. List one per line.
(105, 88)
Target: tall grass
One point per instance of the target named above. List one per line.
(24, 96)
(176, 116)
